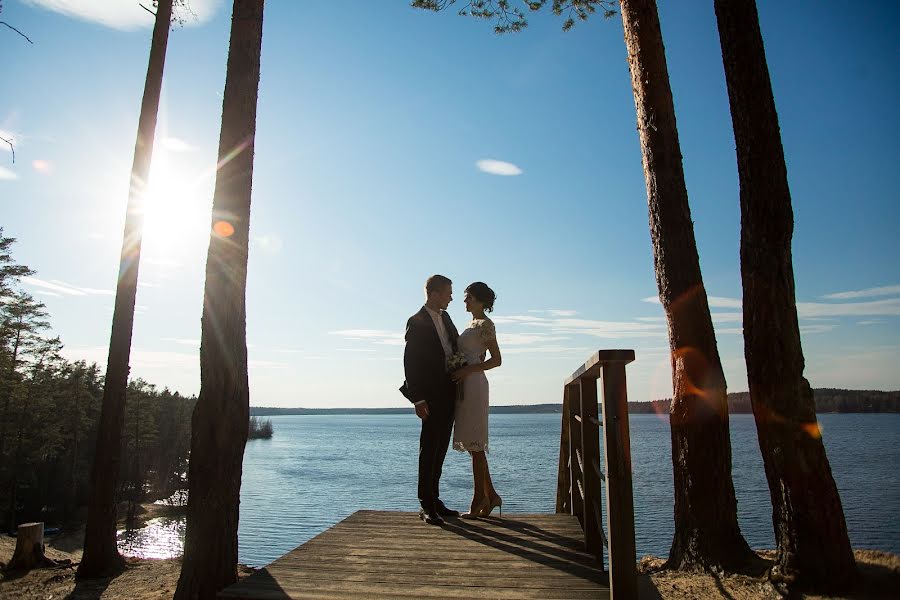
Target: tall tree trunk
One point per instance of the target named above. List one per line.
(813, 546)
(100, 553)
(219, 422)
(707, 535)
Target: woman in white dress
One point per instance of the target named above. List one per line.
(470, 428)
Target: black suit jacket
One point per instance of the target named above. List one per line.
(424, 363)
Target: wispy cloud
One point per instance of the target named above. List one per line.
(871, 322)
(7, 174)
(875, 308)
(376, 336)
(62, 287)
(556, 312)
(497, 167)
(123, 15)
(814, 310)
(888, 290)
(713, 301)
(590, 327)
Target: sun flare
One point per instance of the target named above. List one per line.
(176, 207)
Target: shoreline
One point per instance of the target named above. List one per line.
(144, 579)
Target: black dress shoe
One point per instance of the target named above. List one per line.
(431, 517)
(443, 511)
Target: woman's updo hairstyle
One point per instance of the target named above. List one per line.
(481, 292)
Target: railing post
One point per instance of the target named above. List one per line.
(564, 479)
(590, 441)
(573, 392)
(619, 496)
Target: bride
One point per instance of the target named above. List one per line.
(470, 430)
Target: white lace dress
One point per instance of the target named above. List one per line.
(470, 427)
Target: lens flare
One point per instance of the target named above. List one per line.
(223, 229)
(812, 429)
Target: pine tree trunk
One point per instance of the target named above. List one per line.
(219, 422)
(707, 535)
(813, 545)
(100, 553)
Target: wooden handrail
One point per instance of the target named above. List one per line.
(580, 476)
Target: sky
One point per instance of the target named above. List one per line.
(394, 143)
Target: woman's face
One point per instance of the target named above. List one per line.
(472, 303)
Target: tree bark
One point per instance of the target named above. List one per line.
(29, 551)
(220, 418)
(707, 535)
(100, 553)
(813, 545)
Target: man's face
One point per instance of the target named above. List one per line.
(443, 296)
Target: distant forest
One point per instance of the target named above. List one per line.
(828, 400)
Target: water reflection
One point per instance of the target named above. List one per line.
(162, 537)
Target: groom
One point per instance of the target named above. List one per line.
(430, 340)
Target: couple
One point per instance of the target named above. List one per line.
(431, 363)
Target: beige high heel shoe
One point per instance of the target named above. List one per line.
(477, 511)
(495, 503)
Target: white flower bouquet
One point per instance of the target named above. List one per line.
(456, 361)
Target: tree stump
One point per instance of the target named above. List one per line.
(29, 547)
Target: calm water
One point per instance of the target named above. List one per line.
(318, 469)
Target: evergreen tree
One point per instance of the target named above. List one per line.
(100, 553)
(219, 422)
(810, 530)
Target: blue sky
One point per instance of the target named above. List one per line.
(373, 123)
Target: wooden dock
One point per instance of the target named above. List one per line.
(373, 554)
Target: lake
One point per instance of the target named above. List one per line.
(319, 469)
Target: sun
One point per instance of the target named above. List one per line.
(176, 208)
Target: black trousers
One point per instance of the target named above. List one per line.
(433, 443)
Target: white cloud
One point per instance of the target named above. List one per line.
(727, 317)
(888, 290)
(556, 312)
(61, 287)
(722, 302)
(602, 329)
(497, 167)
(871, 322)
(377, 336)
(7, 175)
(879, 308)
(713, 301)
(120, 14)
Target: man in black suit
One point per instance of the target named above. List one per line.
(430, 340)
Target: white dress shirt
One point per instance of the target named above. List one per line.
(438, 319)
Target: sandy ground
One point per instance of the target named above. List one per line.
(156, 579)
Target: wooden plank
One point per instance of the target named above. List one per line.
(619, 496)
(591, 367)
(563, 481)
(393, 555)
(590, 441)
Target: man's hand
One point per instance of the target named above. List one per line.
(422, 410)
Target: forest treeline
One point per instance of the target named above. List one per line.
(49, 415)
(828, 400)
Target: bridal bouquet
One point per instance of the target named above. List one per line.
(455, 362)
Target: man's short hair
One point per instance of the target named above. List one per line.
(435, 283)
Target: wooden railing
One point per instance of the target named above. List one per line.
(581, 474)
